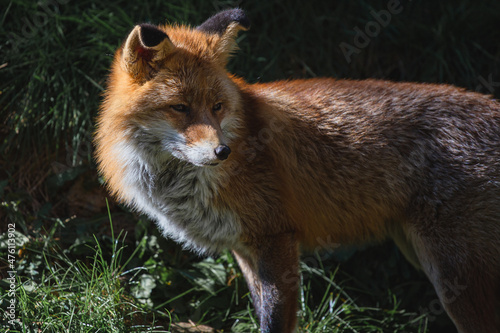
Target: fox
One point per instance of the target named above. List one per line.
(270, 169)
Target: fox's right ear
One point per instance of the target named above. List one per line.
(226, 25)
(145, 47)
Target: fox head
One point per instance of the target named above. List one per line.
(169, 94)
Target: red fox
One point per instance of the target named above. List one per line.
(263, 169)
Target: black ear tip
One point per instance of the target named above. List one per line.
(151, 35)
(218, 23)
(239, 15)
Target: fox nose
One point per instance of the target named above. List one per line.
(222, 152)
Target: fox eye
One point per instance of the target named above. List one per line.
(180, 107)
(217, 107)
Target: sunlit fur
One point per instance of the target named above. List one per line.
(313, 162)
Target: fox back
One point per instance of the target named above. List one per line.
(263, 169)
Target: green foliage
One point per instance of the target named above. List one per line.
(56, 293)
(337, 311)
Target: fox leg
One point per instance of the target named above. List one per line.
(466, 279)
(271, 268)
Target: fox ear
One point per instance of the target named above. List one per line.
(145, 47)
(226, 25)
(218, 23)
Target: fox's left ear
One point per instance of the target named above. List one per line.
(226, 25)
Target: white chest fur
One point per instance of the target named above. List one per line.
(180, 197)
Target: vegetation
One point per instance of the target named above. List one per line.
(83, 266)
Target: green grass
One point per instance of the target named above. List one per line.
(56, 293)
(72, 271)
(75, 297)
(98, 293)
(338, 311)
